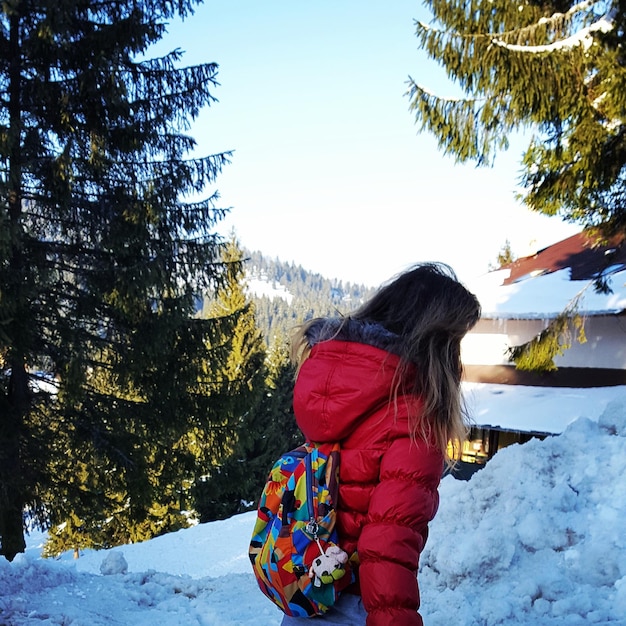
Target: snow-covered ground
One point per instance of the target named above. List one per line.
(260, 286)
(537, 538)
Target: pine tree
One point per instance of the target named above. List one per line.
(505, 257)
(91, 506)
(554, 69)
(280, 432)
(557, 71)
(219, 491)
(267, 430)
(273, 422)
(106, 237)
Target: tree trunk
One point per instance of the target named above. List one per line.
(11, 495)
(17, 401)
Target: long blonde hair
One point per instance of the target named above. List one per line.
(430, 311)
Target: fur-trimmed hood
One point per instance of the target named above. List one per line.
(349, 373)
(348, 329)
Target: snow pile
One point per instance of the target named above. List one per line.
(535, 538)
(114, 563)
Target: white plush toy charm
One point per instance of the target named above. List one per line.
(328, 566)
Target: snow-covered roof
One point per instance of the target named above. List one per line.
(546, 296)
(544, 284)
(536, 409)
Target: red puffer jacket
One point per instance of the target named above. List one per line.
(388, 484)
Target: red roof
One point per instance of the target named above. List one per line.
(581, 253)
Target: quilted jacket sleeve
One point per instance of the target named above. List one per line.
(402, 504)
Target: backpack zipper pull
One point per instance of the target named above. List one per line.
(312, 528)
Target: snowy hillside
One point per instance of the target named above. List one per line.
(536, 538)
(260, 287)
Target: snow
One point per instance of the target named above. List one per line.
(535, 538)
(536, 409)
(584, 38)
(260, 286)
(545, 296)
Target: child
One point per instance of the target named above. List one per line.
(385, 382)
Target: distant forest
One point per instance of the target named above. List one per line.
(310, 295)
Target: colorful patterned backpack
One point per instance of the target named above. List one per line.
(294, 552)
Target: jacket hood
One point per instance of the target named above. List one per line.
(347, 329)
(347, 377)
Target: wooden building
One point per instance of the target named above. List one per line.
(521, 300)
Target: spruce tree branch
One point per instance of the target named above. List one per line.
(556, 20)
(416, 90)
(539, 353)
(583, 38)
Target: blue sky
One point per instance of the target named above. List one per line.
(329, 170)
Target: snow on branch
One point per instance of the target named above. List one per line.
(417, 90)
(560, 17)
(555, 20)
(583, 37)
